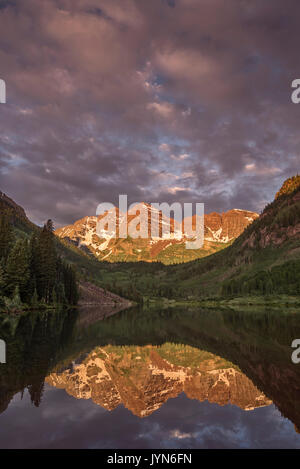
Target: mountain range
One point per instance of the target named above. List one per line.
(220, 230)
(263, 260)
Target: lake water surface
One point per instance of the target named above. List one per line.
(172, 378)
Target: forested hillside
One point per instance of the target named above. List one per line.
(31, 271)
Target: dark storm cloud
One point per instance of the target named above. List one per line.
(184, 100)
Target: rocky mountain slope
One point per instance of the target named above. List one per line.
(263, 260)
(7, 203)
(97, 303)
(144, 378)
(167, 247)
(18, 216)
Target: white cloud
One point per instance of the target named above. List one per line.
(183, 156)
(164, 147)
(164, 109)
(180, 435)
(261, 170)
(175, 189)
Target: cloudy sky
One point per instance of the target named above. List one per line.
(163, 100)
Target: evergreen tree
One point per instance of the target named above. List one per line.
(33, 269)
(269, 287)
(33, 264)
(6, 236)
(16, 299)
(54, 296)
(34, 300)
(3, 279)
(61, 297)
(17, 269)
(14, 304)
(36, 390)
(46, 267)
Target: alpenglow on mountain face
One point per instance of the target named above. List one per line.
(219, 231)
(145, 378)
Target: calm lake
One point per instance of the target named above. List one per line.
(173, 378)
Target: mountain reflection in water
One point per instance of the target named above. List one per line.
(144, 378)
(143, 361)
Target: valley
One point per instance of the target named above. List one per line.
(261, 261)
